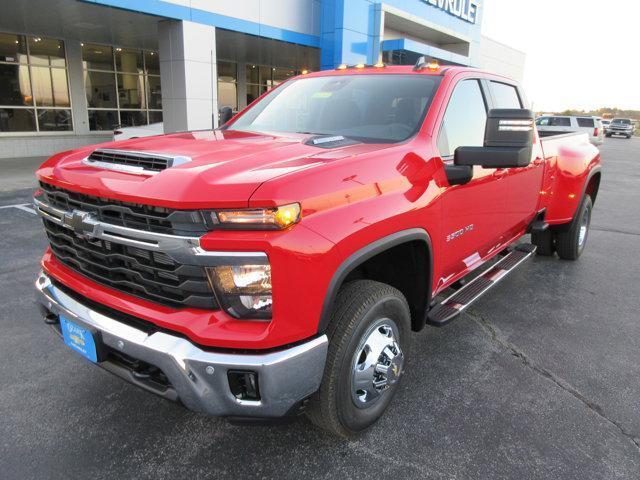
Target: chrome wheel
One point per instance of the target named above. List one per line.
(377, 363)
(584, 227)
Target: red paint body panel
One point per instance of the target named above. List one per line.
(350, 197)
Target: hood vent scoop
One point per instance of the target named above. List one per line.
(140, 163)
(334, 141)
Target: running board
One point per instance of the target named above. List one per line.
(446, 311)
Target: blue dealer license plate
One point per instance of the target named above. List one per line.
(79, 339)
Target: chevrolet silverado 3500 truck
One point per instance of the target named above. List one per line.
(278, 264)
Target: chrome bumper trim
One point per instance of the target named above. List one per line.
(184, 250)
(200, 377)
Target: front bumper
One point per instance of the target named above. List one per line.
(196, 377)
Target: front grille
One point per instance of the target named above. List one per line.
(131, 215)
(142, 273)
(148, 162)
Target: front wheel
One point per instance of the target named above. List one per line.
(570, 244)
(368, 346)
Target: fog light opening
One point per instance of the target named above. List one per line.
(244, 385)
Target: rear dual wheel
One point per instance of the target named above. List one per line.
(569, 243)
(368, 343)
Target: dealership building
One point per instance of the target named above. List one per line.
(73, 70)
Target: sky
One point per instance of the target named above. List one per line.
(581, 54)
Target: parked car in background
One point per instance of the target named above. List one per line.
(605, 124)
(127, 133)
(559, 124)
(621, 126)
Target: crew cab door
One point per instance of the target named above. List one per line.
(523, 184)
(472, 215)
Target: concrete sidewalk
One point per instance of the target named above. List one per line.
(18, 173)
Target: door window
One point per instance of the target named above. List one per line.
(560, 122)
(505, 96)
(586, 122)
(465, 119)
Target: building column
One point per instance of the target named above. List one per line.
(76, 88)
(188, 76)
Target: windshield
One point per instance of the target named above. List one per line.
(368, 108)
(622, 121)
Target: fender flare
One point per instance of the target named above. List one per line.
(563, 227)
(369, 251)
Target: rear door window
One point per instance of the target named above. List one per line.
(505, 96)
(560, 122)
(586, 122)
(465, 119)
(544, 121)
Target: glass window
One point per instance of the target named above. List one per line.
(13, 48)
(50, 87)
(543, 122)
(15, 85)
(228, 95)
(152, 62)
(103, 119)
(282, 74)
(227, 85)
(17, 120)
(128, 60)
(155, 117)
(586, 122)
(131, 91)
(227, 72)
(560, 122)
(101, 89)
(46, 52)
(97, 57)
(54, 120)
(465, 119)
(33, 74)
(154, 92)
(132, 118)
(505, 96)
(253, 75)
(364, 107)
(125, 82)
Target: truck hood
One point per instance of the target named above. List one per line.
(226, 167)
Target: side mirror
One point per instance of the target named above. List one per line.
(508, 141)
(226, 114)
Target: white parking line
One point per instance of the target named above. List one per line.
(21, 206)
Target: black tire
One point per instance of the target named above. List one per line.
(629, 137)
(608, 135)
(362, 308)
(569, 244)
(545, 242)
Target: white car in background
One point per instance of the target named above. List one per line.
(560, 124)
(126, 133)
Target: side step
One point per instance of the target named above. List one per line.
(446, 311)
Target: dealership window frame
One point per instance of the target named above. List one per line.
(34, 107)
(117, 73)
(266, 84)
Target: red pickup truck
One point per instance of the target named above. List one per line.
(278, 264)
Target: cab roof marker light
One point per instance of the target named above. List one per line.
(360, 65)
(342, 66)
(379, 65)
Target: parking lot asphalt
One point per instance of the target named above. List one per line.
(540, 380)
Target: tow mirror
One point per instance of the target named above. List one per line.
(508, 141)
(225, 115)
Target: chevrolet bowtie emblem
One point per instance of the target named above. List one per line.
(80, 222)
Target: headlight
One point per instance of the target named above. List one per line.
(259, 218)
(243, 291)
